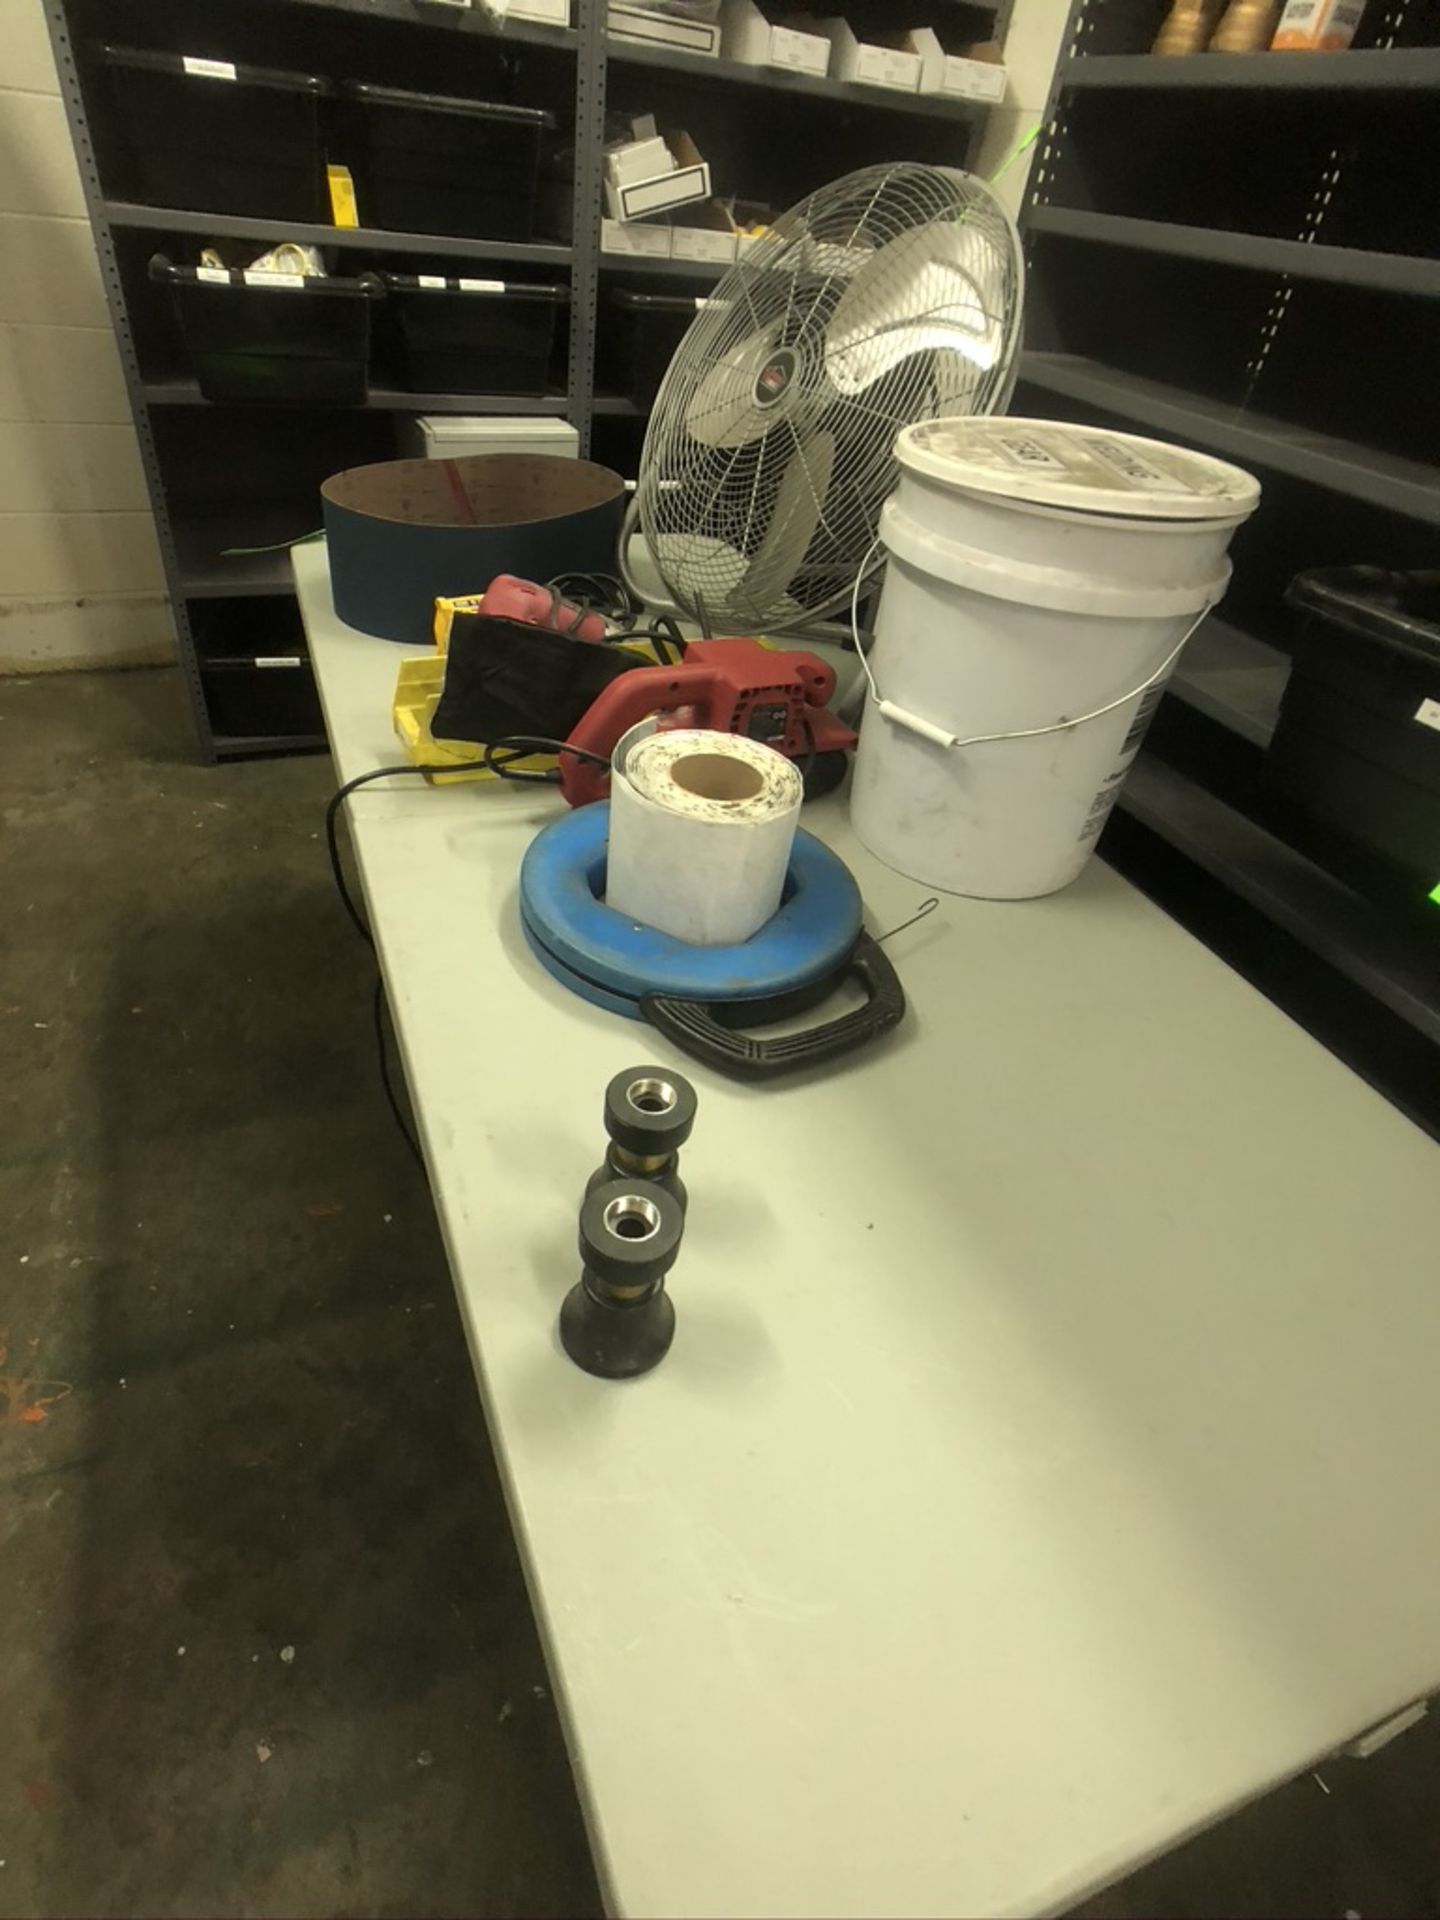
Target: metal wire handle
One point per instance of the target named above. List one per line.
(940, 737)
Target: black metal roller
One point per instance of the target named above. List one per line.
(630, 1233)
(649, 1110)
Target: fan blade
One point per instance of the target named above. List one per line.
(799, 505)
(723, 410)
(931, 289)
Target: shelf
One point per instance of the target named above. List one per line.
(1234, 679)
(186, 393)
(1377, 70)
(737, 73)
(219, 226)
(205, 575)
(1325, 916)
(616, 406)
(241, 746)
(468, 19)
(707, 270)
(1383, 480)
(1347, 266)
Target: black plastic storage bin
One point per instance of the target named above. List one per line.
(1357, 746)
(471, 336)
(432, 164)
(255, 668)
(638, 337)
(274, 336)
(214, 137)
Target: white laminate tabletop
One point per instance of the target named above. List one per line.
(1046, 1460)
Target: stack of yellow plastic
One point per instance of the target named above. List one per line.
(417, 694)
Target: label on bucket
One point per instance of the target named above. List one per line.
(1109, 789)
(1100, 806)
(481, 286)
(1144, 714)
(1028, 453)
(1133, 466)
(436, 282)
(1428, 714)
(214, 276)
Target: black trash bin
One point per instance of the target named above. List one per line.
(1357, 746)
(273, 336)
(215, 137)
(471, 336)
(638, 337)
(432, 164)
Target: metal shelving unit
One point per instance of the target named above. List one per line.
(1263, 253)
(185, 439)
(1373, 70)
(1261, 287)
(1397, 484)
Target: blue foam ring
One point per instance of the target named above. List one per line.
(563, 876)
(587, 989)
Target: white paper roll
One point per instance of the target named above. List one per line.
(701, 826)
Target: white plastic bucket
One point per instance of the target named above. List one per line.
(1038, 572)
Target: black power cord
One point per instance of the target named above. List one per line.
(602, 593)
(517, 746)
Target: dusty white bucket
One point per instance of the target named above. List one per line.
(1042, 580)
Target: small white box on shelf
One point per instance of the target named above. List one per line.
(686, 178)
(446, 436)
(703, 233)
(663, 30)
(637, 239)
(548, 13)
(868, 63)
(960, 75)
(638, 160)
(752, 36)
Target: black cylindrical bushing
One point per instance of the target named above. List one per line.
(618, 1320)
(649, 1110)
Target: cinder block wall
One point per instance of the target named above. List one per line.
(80, 577)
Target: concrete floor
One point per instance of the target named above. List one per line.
(268, 1647)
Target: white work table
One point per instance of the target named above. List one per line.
(1046, 1460)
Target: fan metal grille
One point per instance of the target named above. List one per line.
(890, 296)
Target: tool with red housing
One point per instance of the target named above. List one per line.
(732, 686)
(509, 598)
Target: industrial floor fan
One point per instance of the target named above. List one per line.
(890, 296)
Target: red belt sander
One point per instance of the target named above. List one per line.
(732, 686)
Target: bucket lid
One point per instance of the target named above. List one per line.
(1059, 463)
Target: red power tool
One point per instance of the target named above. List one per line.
(510, 598)
(732, 686)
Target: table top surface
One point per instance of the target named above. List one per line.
(1044, 1463)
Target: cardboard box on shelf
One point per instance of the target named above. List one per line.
(977, 73)
(755, 35)
(637, 239)
(640, 159)
(663, 30)
(549, 13)
(686, 178)
(704, 232)
(1317, 26)
(871, 63)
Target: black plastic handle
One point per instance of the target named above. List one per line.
(708, 1029)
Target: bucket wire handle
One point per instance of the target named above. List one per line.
(940, 736)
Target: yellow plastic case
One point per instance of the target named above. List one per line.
(417, 694)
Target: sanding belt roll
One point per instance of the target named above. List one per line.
(403, 532)
(701, 829)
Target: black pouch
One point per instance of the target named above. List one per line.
(508, 677)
